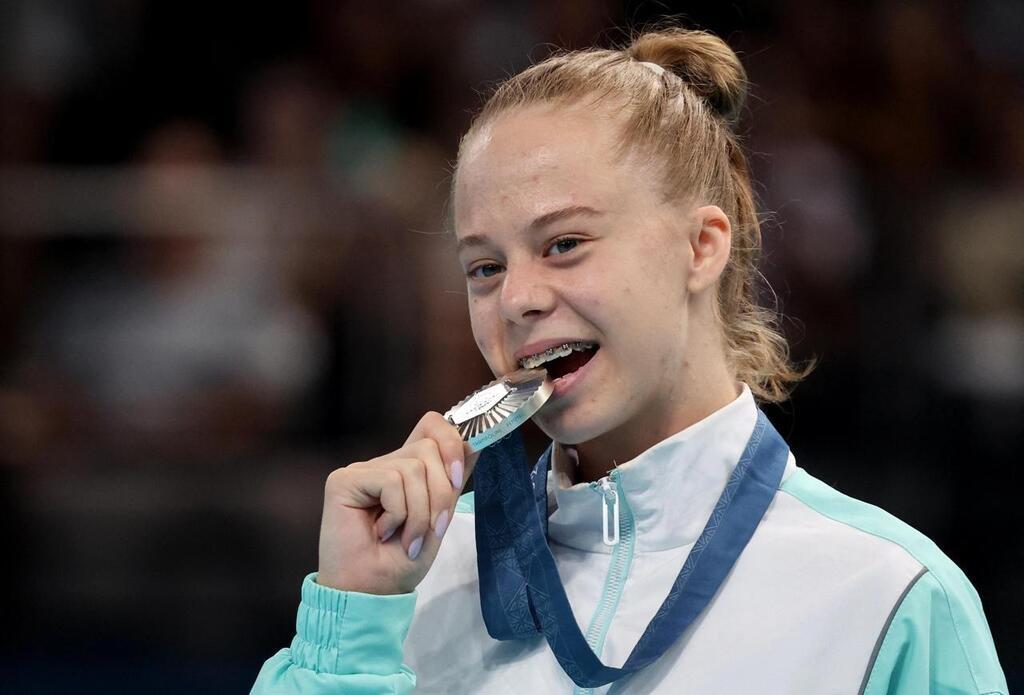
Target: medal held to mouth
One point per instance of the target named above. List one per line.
(495, 410)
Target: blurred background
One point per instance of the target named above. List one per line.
(223, 274)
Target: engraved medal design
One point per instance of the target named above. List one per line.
(495, 410)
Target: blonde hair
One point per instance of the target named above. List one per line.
(682, 91)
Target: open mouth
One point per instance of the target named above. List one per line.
(562, 359)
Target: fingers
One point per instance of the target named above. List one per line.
(422, 467)
(416, 486)
(427, 496)
(381, 513)
(439, 486)
(376, 486)
(449, 443)
(417, 500)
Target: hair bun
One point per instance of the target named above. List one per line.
(702, 60)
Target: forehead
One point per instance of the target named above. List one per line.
(532, 160)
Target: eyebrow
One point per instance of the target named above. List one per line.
(564, 213)
(544, 220)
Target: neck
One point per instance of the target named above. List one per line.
(686, 407)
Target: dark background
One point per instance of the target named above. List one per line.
(222, 275)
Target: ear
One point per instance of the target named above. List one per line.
(710, 243)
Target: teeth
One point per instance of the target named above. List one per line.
(553, 353)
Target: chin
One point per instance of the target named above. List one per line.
(573, 428)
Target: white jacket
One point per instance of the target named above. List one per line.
(831, 595)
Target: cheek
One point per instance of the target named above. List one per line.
(484, 331)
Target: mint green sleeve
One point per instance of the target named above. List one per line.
(345, 642)
(938, 642)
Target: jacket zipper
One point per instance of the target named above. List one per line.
(618, 532)
(610, 511)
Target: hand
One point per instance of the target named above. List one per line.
(384, 518)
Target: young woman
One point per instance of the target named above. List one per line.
(601, 202)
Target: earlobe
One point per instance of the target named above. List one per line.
(710, 242)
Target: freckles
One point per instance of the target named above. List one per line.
(479, 338)
(477, 323)
(485, 340)
(478, 311)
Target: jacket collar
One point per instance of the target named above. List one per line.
(670, 489)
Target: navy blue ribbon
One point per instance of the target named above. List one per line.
(521, 593)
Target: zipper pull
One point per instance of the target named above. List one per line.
(610, 497)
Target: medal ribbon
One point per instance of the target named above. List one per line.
(521, 593)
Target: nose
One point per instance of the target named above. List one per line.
(526, 294)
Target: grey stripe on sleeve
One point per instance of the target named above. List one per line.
(885, 629)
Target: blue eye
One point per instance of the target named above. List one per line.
(483, 271)
(563, 245)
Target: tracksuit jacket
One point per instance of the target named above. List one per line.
(831, 595)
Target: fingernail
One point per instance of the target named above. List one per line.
(457, 471)
(441, 523)
(386, 536)
(415, 547)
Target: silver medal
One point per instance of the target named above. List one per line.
(493, 411)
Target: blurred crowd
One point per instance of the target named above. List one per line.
(224, 272)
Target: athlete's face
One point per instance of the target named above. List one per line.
(562, 241)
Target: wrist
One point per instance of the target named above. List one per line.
(341, 581)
